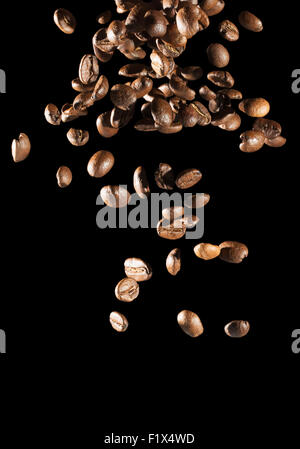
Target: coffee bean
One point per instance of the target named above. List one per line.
(100, 163)
(146, 125)
(52, 114)
(206, 251)
(208, 4)
(133, 70)
(122, 96)
(174, 37)
(221, 78)
(255, 107)
(135, 22)
(104, 125)
(229, 31)
(78, 137)
(206, 93)
(115, 196)
(102, 43)
(269, 128)
(179, 87)
(127, 290)
(197, 201)
(65, 20)
(101, 89)
(233, 252)
(188, 115)
(252, 141)
(119, 118)
(190, 221)
(20, 148)
(68, 113)
(104, 17)
(80, 87)
(237, 329)
(137, 269)
(218, 55)
(228, 120)
(155, 23)
(88, 69)
(118, 321)
(277, 142)
(191, 73)
(140, 182)
(188, 178)
(204, 117)
(116, 32)
(232, 94)
(164, 176)
(171, 230)
(142, 86)
(174, 128)
(187, 20)
(173, 262)
(64, 176)
(219, 6)
(190, 323)
(170, 213)
(161, 112)
(165, 89)
(83, 101)
(161, 64)
(250, 21)
(169, 50)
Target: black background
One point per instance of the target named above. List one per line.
(59, 270)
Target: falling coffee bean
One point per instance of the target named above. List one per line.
(218, 55)
(173, 230)
(20, 148)
(133, 70)
(161, 112)
(221, 78)
(206, 93)
(170, 213)
(101, 89)
(233, 252)
(252, 141)
(127, 290)
(255, 107)
(229, 30)
(88, 69)
(277, 142)
(137, 269)
(118, 321)
(104, 17)
(173, 262)
(155, 23)
(65, 20)
(197, 201)
(142, 86)
(52, 114)
(104, 126)
(192, 73)
(140, 182)
(115, 196)
(269, 128)
(188, 178)
(206, 251)
(164, 177)
(64, 177)
(100, 163)
(237, 329)
(250, 21)
(190, 323)
(116, 32)
(122, 96)
(80, 87)
(78, 137)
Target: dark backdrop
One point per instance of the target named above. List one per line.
(59, 270)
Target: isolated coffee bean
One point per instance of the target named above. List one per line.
(127, 290)
(64, 177)
(20, 148)
(155, 23)
(65, 20)
(122, 96)
(206, 251)
(137, 269)
(68, 113)
(88, 69)
(80, 87)
(218, 55)
(104, 127)
(190, 323)
(188, 178)
(173, 262)
(161, 112)
(237, 329)
(116, 32)
(277, 142)
(119, 118)
(221, 78)
(269, 128)
(164, 176)
(104, 17)
(140, 182)
(118, 321)
(229, 30)
(255, 107)
(115, 196)
(191, 73)
(52, 114)
(197, 201)
(173, 230)
(133, 70)
(100, 163)
(252, 141)
(78, 137)
(233, 252)
(171, 213)
(250, 21)
(101, 89)
(206, 93)
(142, 86)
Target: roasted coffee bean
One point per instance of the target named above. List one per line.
(191, 73)
(160, 63)
(146, 110)
(231, 122)
(250, 21)
(64, 177)
(104, 17)
(52, 114)
(165, 89)
(133, 70)
(171, 230)
(229, 30)
(218, 55)
(208, 4)
(137, 269)
(153, 94)
(115, 196)
(252, 141)
(206, 93)
(80, 87)
(219, 6)
(174, 128)
(219, 103)
(140, 182)
(135, 22)
(169, 50)
(233, 252)
(255, 107)
(180, 89)
(188, 178)
(142, 86)
(101, 42)
(171, 213)
(116, 32)
(65, 20)
(237, 329)
(119, 118)
(146, 124)
(100, 163)
(232, 94)
(269, 128)
(68, 113)
(125, 5)
(118, 321)
(127, 290)
(104, 125)
(155, 23)
(277, 142)
(78, 137)
(207, 251)
(20, 148)
(161, 112)
(88, 69)
(164, 176)
(221, 78)
(83, 101)
(177, 104)
(187, 20)
(197, 201)
(190, 221)
(173, 262)
(190, 323)
(101, 89)
(204, 117)
(174, 37)
(122, 96)
(188, 116)
(101, 55)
